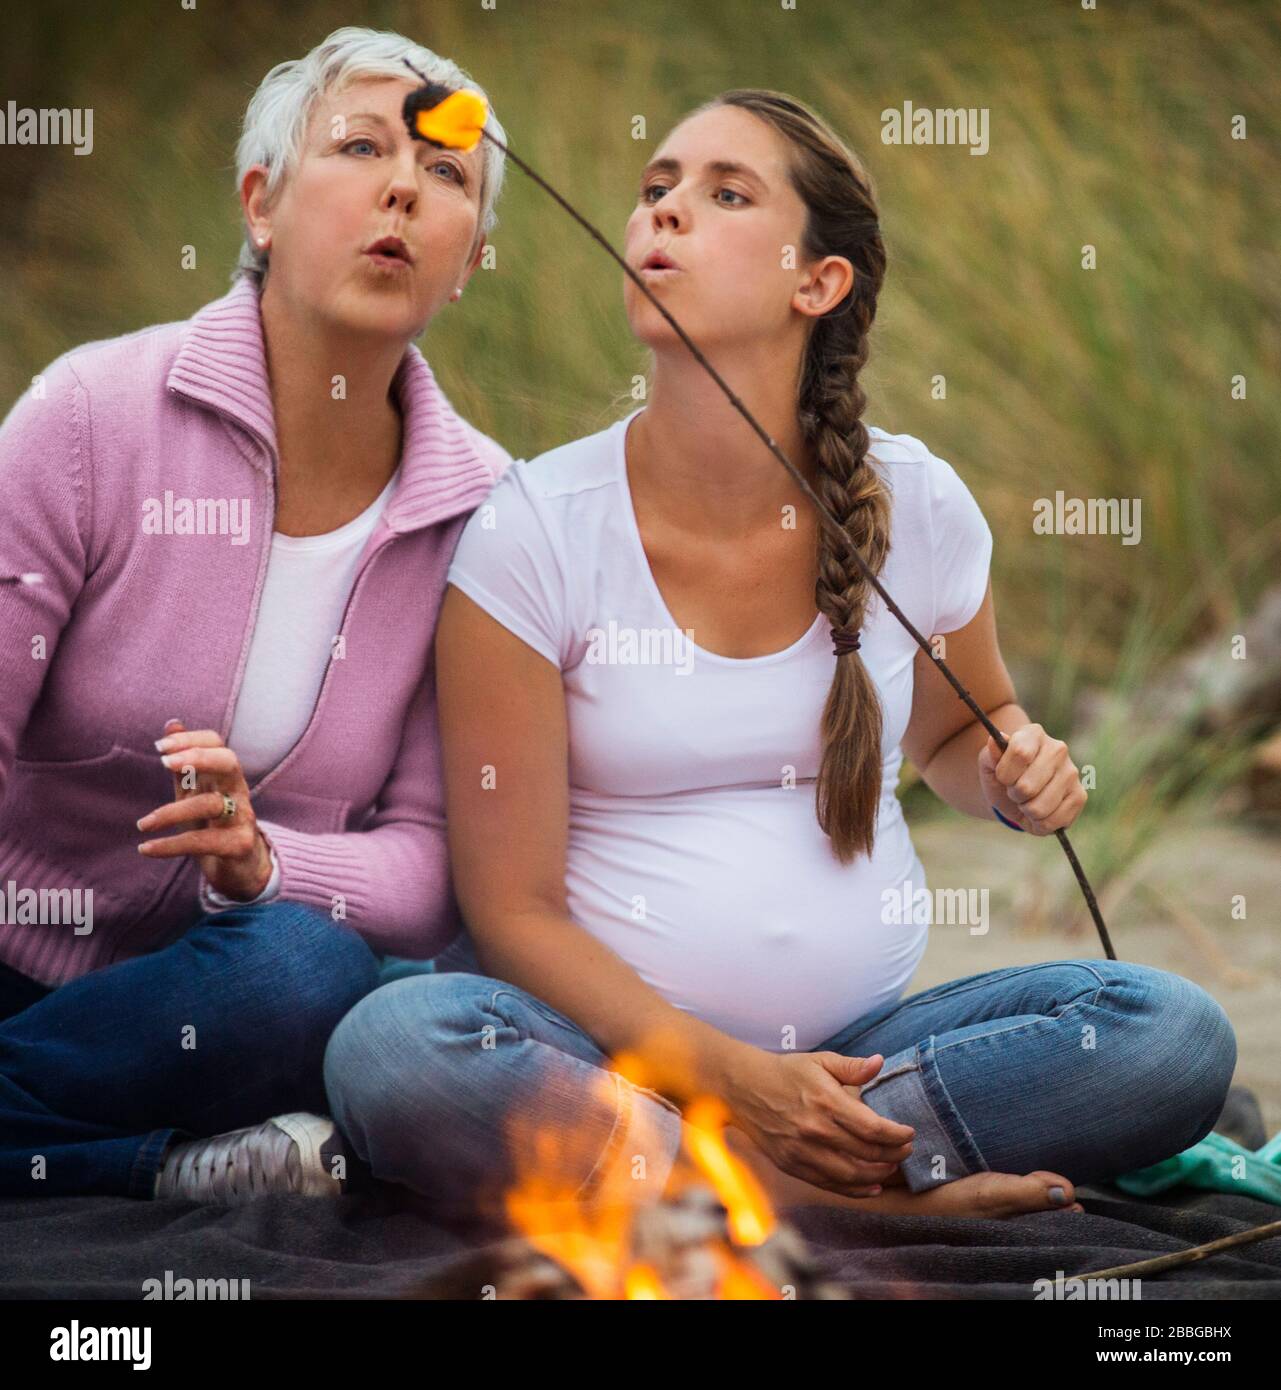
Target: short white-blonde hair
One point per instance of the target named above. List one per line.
(276, 119)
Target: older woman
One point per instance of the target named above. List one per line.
(234, 532)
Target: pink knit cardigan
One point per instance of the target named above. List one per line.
(132, 623)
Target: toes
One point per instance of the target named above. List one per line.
(1005, 1194)
(1059, 1192)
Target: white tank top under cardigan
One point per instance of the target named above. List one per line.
(300, 612)
(694, 852)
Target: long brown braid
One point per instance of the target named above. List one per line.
(842, 220)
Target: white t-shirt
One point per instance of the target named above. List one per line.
(300, 612)
(694, 851)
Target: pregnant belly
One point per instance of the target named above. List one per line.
(732, 906)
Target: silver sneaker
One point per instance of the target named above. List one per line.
(289, 1153)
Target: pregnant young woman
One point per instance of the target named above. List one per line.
(673, 720)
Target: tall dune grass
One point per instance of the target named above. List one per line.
(1108, 128)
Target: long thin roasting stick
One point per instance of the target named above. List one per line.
(1189, 1256)
(457, 128)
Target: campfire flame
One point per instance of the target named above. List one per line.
(622, 1244)
(750, 1217)
(642, 1281)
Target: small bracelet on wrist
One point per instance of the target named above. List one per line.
(1010, 823)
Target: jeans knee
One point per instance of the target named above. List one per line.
(1210, 1032)
(1188, 1048)
(400, 1062)
(320, 967)
(334, 961)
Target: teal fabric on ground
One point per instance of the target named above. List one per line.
(1215, 1164)
(398, 968)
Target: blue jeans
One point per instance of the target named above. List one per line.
(223, 1028)
(1087, 1068)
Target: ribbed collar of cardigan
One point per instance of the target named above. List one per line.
(222, 364)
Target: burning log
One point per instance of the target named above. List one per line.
(688, 1245)
(681, 1248)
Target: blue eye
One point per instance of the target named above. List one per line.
(652, 188)
(732, 191)
(355, 147)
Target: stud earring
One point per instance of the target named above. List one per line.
(457, 294)
(262, 241)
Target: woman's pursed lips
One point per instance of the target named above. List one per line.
(390, 251)
(658, 262)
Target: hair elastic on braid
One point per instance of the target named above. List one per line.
(844, 639)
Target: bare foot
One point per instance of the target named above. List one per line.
(989, 1195)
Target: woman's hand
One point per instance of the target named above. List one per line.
(231, 850)
(802, 1110)
(1034, 782)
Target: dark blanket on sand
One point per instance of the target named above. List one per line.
(367, 1245)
